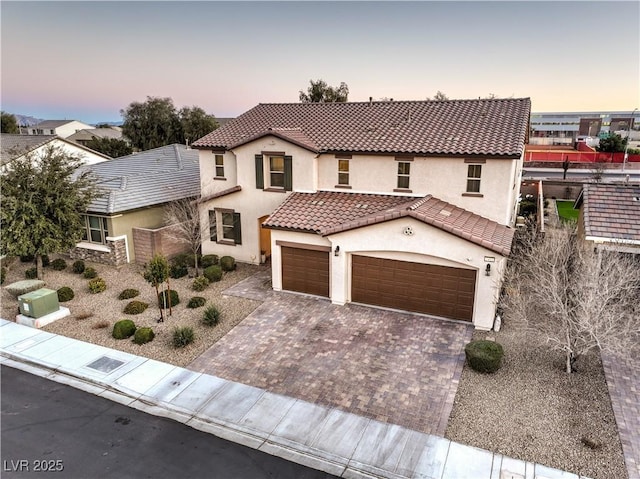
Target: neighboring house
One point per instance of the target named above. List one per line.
(610, 216)
(401, 204)
(85, 136)
(13, 147)
(61, 128)
(126, 222)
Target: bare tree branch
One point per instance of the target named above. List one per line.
(184, 218)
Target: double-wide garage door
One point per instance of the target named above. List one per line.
(305, 271)
(423, 288)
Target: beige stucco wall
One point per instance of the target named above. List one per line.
(121, 225)
(387, 240)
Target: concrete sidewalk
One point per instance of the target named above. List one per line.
(327, 439)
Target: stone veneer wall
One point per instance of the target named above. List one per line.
(116, 256)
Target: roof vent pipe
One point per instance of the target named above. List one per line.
(370, 100)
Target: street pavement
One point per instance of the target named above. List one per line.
(53, 430)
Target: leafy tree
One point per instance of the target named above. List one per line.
(43, 197)
(151, 124)
(613, 143)
(439, 96)
(195, 123)
(112, 147)
(183, 215)
(9, 124)
(320, 92)
(156, 273)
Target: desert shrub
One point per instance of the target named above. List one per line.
(100, 325)
(143, 335)
(196, 302)
(28, 258)
(200, 283)
(182, 336)
(209, 260)
(213, 273)
(128, 294)
(45, 260)
(125, 328)
(3, 274)
(59, 264)
(227, 263)
(178, 271)
(24, 286)
(97, 285)
(90, 273)
(186, 259)
(83, 315)
(78, 266)
(163, 299)
(484, 356)
(211, 316)
(135, 307)
(31, 273)
(65, 294)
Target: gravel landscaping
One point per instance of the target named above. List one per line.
(532, 410)
(104, 309)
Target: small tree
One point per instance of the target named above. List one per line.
(183, 215)
(43, 198)
(579, 298)
(112, 147)
(320, 92)
(439, 96)
(196, 123)
(9, 124)
(156, 273)
(613, 143)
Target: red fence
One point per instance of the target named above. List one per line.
(577, 156)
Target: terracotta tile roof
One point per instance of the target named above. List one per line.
(219, 194)
(611, 211)
(293, 135)
(457, 127)
(331, 212)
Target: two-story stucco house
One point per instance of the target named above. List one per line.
(407, 205)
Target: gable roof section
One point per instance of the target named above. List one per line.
(611, 211)
(331, 212)
(13, 146)
(495, 127)
(145, 179)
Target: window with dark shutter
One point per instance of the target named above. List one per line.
(288, 173)
(213, 227)
(237, 228)
(259, 173)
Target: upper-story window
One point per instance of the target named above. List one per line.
(404, 169)
(95, 229)
(279, 172)
(219, 166)
(474, 172)
(276, 171)
(343, 172)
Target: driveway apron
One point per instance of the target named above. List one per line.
(393, 367)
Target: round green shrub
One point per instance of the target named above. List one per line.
(27, 258)
(125, 328)
(209, 260)
(58, 264)
(213, 273)
(31, 273)
(186, 259)
(484, 356)
(3, 274)
(90, 273)
(211, 316)
(65, 294)
(200, 283)
(178, 271)
(78, 266)
(183, 336)
(163, 299)
(143, 335)
(135, 307)
(128, 294)
(97, 285)
(196, 302)
(228, 263)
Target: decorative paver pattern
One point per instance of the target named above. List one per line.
(623, 380)
(393, 367)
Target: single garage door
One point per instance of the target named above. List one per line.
(305, 271)
(423, 288)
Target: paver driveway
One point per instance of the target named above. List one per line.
(398, 368)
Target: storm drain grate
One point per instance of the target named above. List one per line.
(105, 364)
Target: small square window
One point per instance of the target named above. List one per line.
(219, 166)
(404, 169)
(343, 172)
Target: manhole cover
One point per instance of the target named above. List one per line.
(105, 364)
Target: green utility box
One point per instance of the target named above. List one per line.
(38, 303)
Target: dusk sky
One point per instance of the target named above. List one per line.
(88, 60)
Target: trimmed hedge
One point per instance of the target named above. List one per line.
(213, 273)
(183, 336)
(177, 271)
(143, 335)
(484, 356)
(209, 260)
(187, 259)
(163, 299)
(59, 264)
(65, 294)
(128, 294)
(78, 266)
(97, 285)
(135, 307)
(200, 283)
(227, 263)
(90, 273)
(211, 316)
(123, 329)
(196, 302)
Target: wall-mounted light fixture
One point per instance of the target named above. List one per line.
(336, 252)
(487, 270)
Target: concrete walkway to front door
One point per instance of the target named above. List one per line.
(393, 367)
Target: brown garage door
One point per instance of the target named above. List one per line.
(423, 288)
(305, 271)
